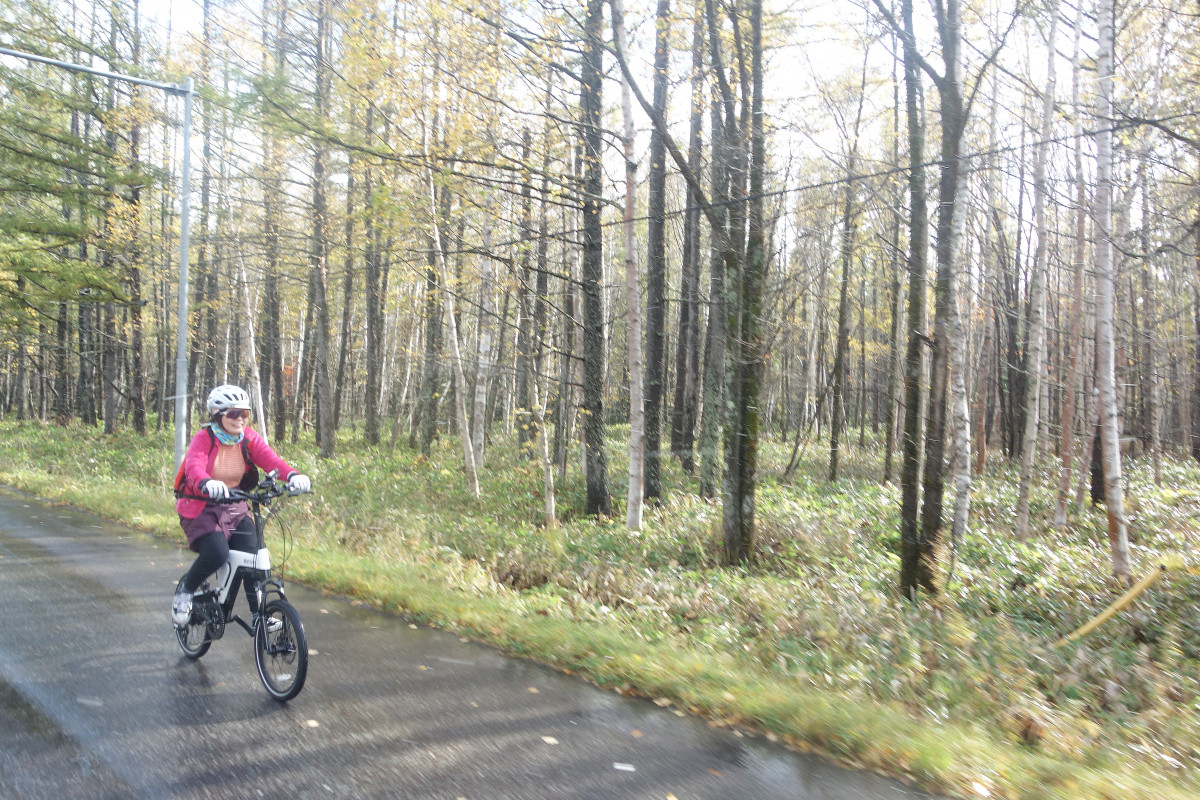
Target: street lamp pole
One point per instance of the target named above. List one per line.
(181, 355)
(186, 91)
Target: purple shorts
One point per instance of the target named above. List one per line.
(223, 517)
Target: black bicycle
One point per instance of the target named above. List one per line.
(280, 646)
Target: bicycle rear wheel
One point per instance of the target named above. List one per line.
(193, 637)
(281, 650)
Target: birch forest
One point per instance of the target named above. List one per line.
(957, 233)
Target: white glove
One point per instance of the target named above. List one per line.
(216, 489)
(299, 484)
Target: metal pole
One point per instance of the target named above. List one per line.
(181, 356)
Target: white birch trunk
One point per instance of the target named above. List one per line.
(1150, 319)
(460, 383)
(408, 362)
(633, 303)
(1037, 287)
(1071, 390)
(960, 412)
(549, 519)
(252, 347)
(483, 370)
(1110, 435)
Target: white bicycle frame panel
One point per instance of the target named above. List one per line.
(223, 578)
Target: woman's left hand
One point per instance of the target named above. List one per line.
(299, 483)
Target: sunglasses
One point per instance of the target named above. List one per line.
(237, 413)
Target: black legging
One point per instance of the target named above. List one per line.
(213, 551)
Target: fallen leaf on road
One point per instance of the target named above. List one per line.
(549, 740)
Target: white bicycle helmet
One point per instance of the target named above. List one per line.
(225, 397)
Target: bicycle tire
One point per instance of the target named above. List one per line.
(281, 655)
(193, 637)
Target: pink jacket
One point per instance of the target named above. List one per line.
(202, 454)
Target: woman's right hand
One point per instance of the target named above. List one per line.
(215, 489)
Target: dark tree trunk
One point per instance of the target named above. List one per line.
(687, 351)
(724, 134)
(656, 266)
(427, 408)
(320, 244)
(910, 463)
(840, 354)
(526, 434)
(742, 457)
(376, 290)
(136, 389)
(347, 295)
(591, 95)
(1196, 361)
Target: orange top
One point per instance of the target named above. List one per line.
(229, 466)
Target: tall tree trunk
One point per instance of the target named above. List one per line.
(849, 232)
(656, 263)
(525, 434)
(549, 520)
(633, 301)
(960, 413)
(272, 332)
(895, 361)
(318, 275)
(953, 122)
(347, 293)
(910, 464)
(137, 388)
(1110, 436)
(738, 516)
(1036, 338)
(460, 384)
(108, 311)
(687, 351)
(202, 364)
(256, 391)
(483, 368)
(716, 401)
(431, 380)
(1196, 358)
(989, 375)
(376, 296)
(598, 501)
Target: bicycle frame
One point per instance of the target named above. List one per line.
(251, 566)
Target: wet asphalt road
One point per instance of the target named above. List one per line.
(97, 701)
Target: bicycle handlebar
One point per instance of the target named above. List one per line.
(267, 490)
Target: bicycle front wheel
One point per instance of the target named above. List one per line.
(193, 637)
(281, 650)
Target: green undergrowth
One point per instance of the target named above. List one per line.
(967, 695)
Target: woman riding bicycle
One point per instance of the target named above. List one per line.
(222, 456)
